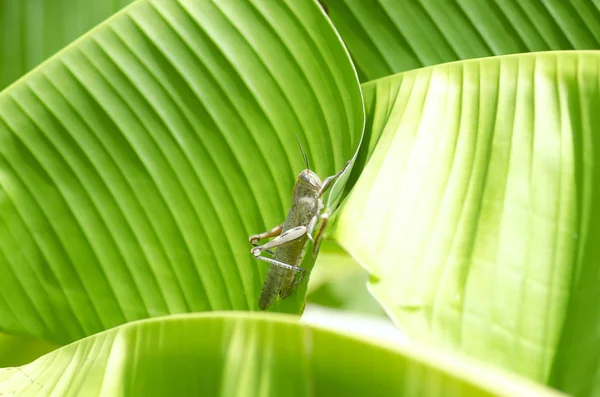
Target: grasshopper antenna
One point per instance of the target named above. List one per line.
(302, 151)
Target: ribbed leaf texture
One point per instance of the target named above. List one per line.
(135, 164)
(390, 36)
(477, 214)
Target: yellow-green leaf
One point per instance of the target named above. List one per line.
(478, 216)
(229, 354)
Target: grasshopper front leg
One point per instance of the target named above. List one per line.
(324, 220)
(330, 179)
(276, 231)
(286, 237)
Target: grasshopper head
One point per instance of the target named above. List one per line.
(310, 180)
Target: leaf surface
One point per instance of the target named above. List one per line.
(477, 214)
(135, 163)
(389, 36)
(243, 355)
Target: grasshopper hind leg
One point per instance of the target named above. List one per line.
(275, 283)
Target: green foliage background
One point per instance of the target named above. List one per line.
(136, 161)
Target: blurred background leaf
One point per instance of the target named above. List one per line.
(33, 30)
(388, 36)
(337, 281)
(477, 214)
(18, 350)
(137, 162)
(250, 355)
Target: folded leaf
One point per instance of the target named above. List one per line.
(478, 216)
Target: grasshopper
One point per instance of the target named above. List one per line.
(292, 235)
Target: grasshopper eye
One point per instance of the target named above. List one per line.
(310, 178)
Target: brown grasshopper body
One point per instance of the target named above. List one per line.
(306, 205)
(292, 237)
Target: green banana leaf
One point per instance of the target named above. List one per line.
(390, 36)
(240, 354)
(34, 31)
(137, 161)
(31, 31)
(477, 213)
